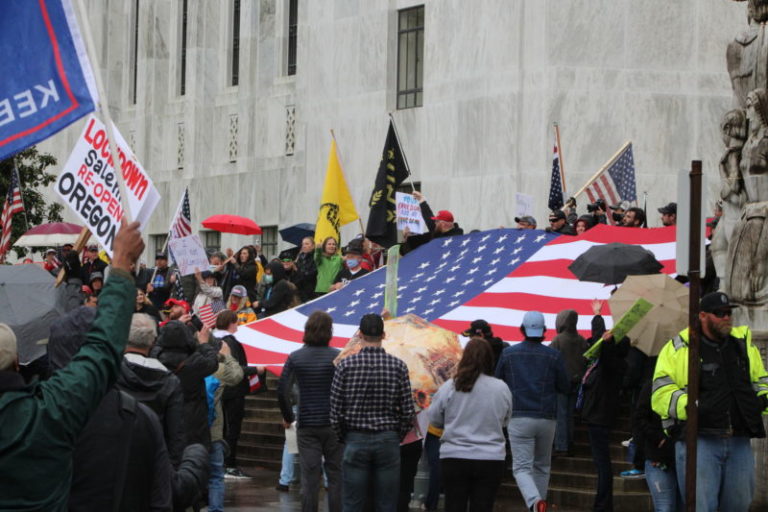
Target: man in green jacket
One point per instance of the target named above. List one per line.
(41, 422)
(733, 394)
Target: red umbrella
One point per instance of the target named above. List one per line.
(52, 233)
(232, 224)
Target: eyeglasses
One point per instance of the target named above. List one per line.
(722, 313)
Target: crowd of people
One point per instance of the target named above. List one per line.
(138, 403)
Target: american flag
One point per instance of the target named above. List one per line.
(556, 183)
(207, 313)
(495, 275)
(13, 205)
(181, 225)
(617, 182)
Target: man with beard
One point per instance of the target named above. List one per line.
(733, 396)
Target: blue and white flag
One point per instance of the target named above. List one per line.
(47, 82)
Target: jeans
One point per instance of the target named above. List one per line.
(316, 444)
(725, 473)
(287, 473)
(471, 482)
(531, 442)
(374, 456)
(663, 486)
(409, 464)
(566, 405)
(599, 442)
(216, 478)
(432, 449)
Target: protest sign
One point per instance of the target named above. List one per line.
(409, 214)
(189, 254)
(88, 184)
(47, 80)
(523, 204)
(628, 320)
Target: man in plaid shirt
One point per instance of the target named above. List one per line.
(371, 411)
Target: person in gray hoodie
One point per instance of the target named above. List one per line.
(572, 346)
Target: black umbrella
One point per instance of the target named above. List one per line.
(298, 232)
(612, 263)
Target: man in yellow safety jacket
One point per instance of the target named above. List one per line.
(733, 386)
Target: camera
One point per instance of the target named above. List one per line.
(597, 205)
(617, 217)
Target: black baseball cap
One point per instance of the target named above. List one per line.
(372, 325)
(478, 325)
(670, 209)
(557, 214)
(716, 301)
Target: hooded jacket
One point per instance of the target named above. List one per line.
(247, 273)
(571, 344)
(279, 295)
(149, 382)
(601, 397)
(191, 362)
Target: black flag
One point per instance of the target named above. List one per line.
(382, 219)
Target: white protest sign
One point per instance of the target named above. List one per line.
(88, 184)
(409, 214)
(189, 254)
(524, 204)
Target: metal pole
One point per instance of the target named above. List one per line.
(694, 337)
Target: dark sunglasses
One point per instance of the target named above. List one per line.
(722, 313)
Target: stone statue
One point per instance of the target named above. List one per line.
(732, 195)
(747, 264)
(747, 55)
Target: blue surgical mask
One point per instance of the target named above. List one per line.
(268, 279)
(352, 263)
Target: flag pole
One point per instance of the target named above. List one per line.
(603, 168)
(104, 108)
(402, 151)
(21, 192)
(170, 230)
(560, 157)
(341, 163)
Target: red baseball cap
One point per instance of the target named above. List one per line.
(444, 215)
(176, 302)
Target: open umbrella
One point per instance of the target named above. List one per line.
(232, 224)
(298, 232)
(50, 234)
(28, 304)
(668, 316)
(612, 263)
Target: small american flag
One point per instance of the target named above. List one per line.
(556, 183)
(617, 182)
(13, 205)
(207, 314)
(181, 225)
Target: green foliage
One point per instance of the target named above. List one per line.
(32, 166)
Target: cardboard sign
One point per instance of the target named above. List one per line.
(409, 214)
(524, 204)
(189, 254)
(88, 184)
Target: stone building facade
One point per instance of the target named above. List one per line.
(236, 98)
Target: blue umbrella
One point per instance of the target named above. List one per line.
(296, 233)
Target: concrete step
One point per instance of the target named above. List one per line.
(263, 426)
(585, 465)
(582, 499)
(260, 451)
(269, 439)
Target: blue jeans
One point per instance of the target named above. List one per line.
(663, 486)
(373, 456)
(432, 449)
(725, 473)
(566, 405)
(216, 478)
(287, 472)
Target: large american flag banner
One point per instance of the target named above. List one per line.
(495, 275)
(181, 225)
(13, 205)
(617, 181)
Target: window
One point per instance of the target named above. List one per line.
(293, 30)
(269, 242)
(157, 242)
(235, 74)
(134, 55)
(410, 56)
(211, 241)
(183, 52)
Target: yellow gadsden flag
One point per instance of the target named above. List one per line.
(336, 206)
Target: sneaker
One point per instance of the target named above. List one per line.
(281, 488)
(626, 443)
(540, 506)
(632, 473)
(235, 473)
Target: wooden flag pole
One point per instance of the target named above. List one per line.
(560, 157)
(402, 152)
(82, 239)
(603, 168)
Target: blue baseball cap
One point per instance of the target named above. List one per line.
(533, 321)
